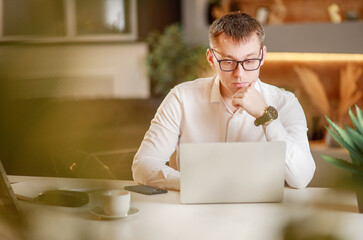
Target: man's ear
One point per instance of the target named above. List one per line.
(264, 50)
(210, 57)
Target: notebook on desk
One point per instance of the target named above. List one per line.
(238, 172)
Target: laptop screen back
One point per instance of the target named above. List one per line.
(232, 172)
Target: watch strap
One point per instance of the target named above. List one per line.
(264, 118)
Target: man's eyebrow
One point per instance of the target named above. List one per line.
(248, 55)
(229, 56)
(254, 53)
(224, 55)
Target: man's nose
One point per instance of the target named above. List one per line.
(239, 70)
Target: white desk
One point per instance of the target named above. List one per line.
(163, 217)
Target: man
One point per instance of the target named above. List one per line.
(232, 106)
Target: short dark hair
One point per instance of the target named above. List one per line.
(237, 25)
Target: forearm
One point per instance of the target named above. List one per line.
(300, 166)
(155, 173)
(149, 165)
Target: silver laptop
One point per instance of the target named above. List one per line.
(236, 172)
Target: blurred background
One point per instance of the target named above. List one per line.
(81, 79)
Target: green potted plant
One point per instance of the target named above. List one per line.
(352, 140)
(171, 59)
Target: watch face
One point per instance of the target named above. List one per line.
(272, 112)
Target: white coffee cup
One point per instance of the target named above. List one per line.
(116, 202)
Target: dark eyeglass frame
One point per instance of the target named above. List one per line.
(238, 62)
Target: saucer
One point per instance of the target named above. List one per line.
(98, 211)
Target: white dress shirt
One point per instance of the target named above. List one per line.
(194, 112)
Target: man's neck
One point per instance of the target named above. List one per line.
(227, 98)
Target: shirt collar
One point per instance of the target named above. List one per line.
(216, 96)
(258, 85)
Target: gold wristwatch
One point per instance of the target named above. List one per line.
(270, 114)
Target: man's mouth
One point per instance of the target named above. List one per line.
(241, 84)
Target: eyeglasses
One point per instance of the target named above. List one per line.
(230, 65)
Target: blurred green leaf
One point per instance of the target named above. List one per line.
(354, 155)
(356, 138)
(341, 133)
(360, 119)
(343, 164)
(357, 124)
(171, 60)
(350, 139)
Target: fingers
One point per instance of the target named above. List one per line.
(239, 98)
(236, 102)
(250, 100)
(244, 89)
(252, 83)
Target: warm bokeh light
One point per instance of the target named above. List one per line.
(310, 57)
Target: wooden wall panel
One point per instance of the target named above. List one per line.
(292, 11)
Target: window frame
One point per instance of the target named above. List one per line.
(71, 28)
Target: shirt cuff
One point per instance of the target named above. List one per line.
(173, 180)
(166, 178)
(275, 131)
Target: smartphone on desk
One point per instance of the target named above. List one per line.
(144, 189)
